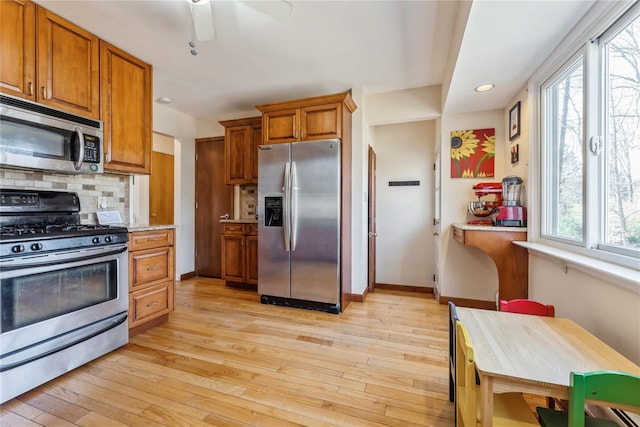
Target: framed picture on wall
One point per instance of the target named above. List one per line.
(514, 122)
(515, 153)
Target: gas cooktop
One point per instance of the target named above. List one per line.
(33, 222)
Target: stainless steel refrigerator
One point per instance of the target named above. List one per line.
(299, 224)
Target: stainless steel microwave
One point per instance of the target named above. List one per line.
(34, 136)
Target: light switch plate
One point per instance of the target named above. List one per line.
(109, 217)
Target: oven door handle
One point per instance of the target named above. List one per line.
(59, 343)
(57, 258)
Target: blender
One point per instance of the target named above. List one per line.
(510, 213)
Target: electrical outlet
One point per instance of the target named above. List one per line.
(102, 202)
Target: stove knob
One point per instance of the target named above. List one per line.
(17, 249)
(107, 239)
(96, 240)
(36, 246)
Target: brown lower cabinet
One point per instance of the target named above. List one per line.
(151, 278)
(240, 253)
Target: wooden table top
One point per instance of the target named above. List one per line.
(535, 350)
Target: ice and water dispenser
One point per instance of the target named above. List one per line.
(273, 211)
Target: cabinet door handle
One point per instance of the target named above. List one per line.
(44, 92)
(153, 267)
(151, 304)
(31, 88)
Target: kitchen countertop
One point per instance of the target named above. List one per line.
(148, 227)
(476, 227)
(240, 221)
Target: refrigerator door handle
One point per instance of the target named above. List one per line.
(294, 206)
(286, 211)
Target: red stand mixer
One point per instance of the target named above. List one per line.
(505, 209)
(483, 208)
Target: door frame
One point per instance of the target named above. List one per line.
(371, 220)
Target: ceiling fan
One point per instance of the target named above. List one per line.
(202, 16)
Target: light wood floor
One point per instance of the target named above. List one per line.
(225, 359)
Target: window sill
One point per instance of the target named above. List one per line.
(624, 277)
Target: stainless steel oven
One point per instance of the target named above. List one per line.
(64, 289)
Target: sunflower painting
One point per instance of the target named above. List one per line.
(472, 153)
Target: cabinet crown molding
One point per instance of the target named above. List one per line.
(241, 122)
(344, 98)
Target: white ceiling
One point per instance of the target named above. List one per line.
(330, 46)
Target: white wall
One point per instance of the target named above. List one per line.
(466, 272)
(183, 128)
(209, 127)
(405, 246)
(605, 309)
(401, 106)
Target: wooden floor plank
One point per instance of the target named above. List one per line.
(224, 359)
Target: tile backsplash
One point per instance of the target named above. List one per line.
(248, 201)
(113, 188)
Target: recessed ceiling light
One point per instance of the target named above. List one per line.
(484, 88)
(164, 100)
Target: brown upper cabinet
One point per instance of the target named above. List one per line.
(57, 61)
(241, 140)
(18, 48)
(126, 84)
(305, 119)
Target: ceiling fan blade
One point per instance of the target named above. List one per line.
(280, 10)
(202, 16)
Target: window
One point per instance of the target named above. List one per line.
(590, 139)
(564, 108)
(620, 54)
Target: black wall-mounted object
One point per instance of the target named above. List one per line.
(403, 183)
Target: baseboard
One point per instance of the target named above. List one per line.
(188, 275)
(148, 325)
(471, 303)
(404, 288)
(359, 297)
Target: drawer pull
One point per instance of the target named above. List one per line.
(153, 239)
(151, 304)
(153, 267)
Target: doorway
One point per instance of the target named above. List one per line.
(214, 199)
(404, 204)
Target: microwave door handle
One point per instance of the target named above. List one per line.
(77, 163)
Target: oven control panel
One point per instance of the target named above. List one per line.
(23, 200)
(56, 243)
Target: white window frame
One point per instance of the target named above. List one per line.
(546, 158)
(582, 40)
